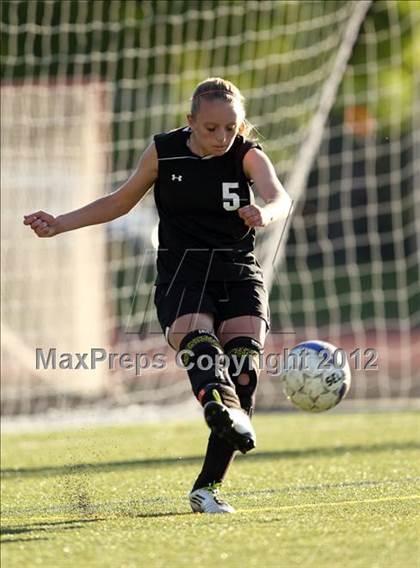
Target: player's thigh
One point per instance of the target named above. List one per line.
(243, 326)
(186, 323)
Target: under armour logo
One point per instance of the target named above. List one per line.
(177, 178)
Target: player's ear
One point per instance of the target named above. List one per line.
(190, 119)
(245, 128)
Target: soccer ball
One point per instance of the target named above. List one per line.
(316, 376)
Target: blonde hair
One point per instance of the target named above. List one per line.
(221, 89)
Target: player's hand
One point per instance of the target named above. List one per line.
(43, 224)
(253, 216)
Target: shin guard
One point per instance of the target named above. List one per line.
(244, 358)
(206, 365)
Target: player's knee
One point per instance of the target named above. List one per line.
(206, 364)
(244, 367)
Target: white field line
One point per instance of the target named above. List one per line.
(332, 504)
(124, 512)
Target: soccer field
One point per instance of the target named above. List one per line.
(320, 491)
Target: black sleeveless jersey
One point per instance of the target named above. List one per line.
(201, 236)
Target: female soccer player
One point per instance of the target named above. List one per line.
(210, 296)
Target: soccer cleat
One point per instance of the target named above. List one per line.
(231, 424)
(207, 500)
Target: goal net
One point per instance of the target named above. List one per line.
(347, 271)
(330, 87)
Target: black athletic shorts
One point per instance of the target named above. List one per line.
(225, 300)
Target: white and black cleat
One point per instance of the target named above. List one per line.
(207, 500)
(231, 424)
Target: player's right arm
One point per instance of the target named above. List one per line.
(105, 208)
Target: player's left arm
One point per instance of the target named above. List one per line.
(258, 167)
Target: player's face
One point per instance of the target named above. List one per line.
(215, 126)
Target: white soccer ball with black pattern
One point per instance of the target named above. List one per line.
(316, 376)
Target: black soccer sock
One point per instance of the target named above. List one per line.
(201, 353)
(218, 458)
(244, 355)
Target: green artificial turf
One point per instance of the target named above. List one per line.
(320, 491)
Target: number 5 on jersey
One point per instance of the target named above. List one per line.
(231, 200)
